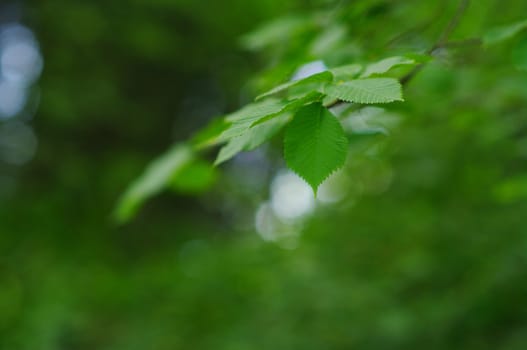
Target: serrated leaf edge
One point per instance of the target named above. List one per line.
(316, 187)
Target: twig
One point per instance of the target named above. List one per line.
(420, 27)
(441, 42)
(454, 22)
(454, 44)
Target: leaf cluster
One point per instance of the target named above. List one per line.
(315, 143)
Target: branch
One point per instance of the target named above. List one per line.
(420, 27)
(441, 42)
(454, 22)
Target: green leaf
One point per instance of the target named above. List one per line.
(329, 40)
(210, 135)
(322, 77)
(315, 144)
(253, 138)
(347, 72)
(194, 178)
(276, 31)
(293, 105)
(499, 34)
(259, 112)
(385, 65)
(242, 120)
(372, 90)
(157, 175)
(419, 57)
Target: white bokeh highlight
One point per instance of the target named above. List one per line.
(291, 197)
(13, 97)
(20, 66)
(309, 69)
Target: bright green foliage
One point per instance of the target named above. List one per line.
(293, 105)
(316, 79)
(242, 120)
(264, 127)
(259, 112)
(256, 123)
(210, 135)
(315, 144)
(253, 138)
(155, 178)
(372, 90)
(386, 65)
(497, 35)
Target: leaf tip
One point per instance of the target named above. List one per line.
(218, 161)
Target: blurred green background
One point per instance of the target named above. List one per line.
(420, 241)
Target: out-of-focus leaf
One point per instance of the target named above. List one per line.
(386, 65)
(370, 120)
(328, 40)
(347, 72)
(308, 69)
(293, 105)
(259, 112)
(371, 90)
(275, 31)
(320, 78)
(157, 175)
(315, 145)
(499, 34)
(194, 178)
(252, 138)
(210, 135)
(241, 120)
